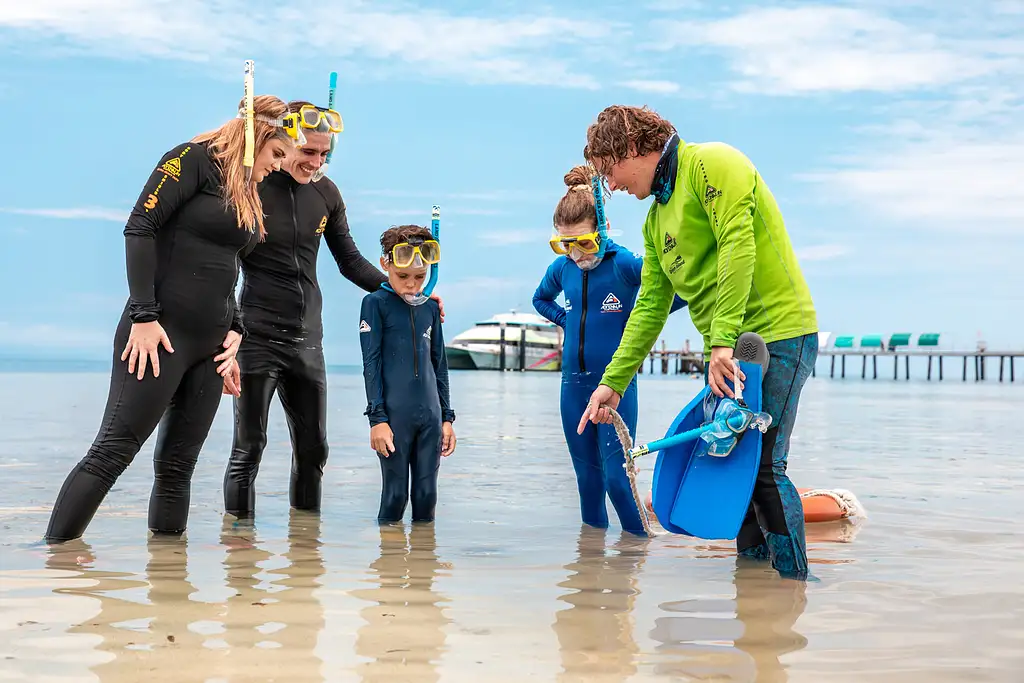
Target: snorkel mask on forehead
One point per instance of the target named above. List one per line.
(248, 112)
(418, 252)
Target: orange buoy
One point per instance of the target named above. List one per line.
(820, 505)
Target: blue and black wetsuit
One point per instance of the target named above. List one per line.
(406, 375)
(597, 305)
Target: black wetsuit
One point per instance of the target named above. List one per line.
(405, 371)
(281, 304)
(182, 246)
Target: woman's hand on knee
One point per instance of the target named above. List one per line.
(143, 341)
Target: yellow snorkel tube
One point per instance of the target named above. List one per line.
(250, 124)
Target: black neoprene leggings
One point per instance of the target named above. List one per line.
(299, 377)
(186, 396)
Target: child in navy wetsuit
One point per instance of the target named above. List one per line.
(600, 280)
(406, 375)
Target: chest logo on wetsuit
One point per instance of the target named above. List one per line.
(676, 264)
(670, 243)
(363, 326)
(711, 194)
(568, 304)
(172, 167)
(611, 304)
(426, 335)
(323, 224)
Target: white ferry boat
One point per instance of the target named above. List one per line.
(480, 347)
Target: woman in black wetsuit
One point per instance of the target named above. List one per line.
(194, 217)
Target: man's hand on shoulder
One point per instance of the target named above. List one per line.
(440, 305)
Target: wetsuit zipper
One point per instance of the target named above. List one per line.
(295, 258)
(583, 322)
(415, 356)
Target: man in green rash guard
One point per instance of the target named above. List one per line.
(715, 236)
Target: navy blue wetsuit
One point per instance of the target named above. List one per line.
(597, 305)
(406, 375)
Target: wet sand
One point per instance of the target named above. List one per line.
(506, 585)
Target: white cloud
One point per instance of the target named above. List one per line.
(826, 48)
(946, 182)
(76, 213)
(518, 49)
(822, 252)
(653, 86)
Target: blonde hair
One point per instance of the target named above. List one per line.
(577, 205)
(227, 147)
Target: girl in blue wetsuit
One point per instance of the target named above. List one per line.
(600, 280)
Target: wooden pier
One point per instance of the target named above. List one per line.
(978, 358)
(686, 362)
(674, 361)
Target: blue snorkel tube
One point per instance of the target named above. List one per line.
(435, 231)
(322, 171)
(602, 224)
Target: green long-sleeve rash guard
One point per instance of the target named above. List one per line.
(719, 243)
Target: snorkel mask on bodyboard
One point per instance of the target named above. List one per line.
(417, 253)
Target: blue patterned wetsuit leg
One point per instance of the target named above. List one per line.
(597, 305)
(774, 525)
(597, 458)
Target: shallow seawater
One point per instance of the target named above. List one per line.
(506, 586)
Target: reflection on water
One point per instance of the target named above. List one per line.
(158, 626)
(738, 639)
(595, 635)
(505, 586)
(404, 635)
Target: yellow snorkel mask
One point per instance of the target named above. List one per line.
(416, 252)
(309, 118)
(589, 243)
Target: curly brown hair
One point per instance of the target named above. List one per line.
(577, 205)
(397, 234)
(620, 126)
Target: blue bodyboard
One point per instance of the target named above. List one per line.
(702, 495)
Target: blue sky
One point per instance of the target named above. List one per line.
(892, 138)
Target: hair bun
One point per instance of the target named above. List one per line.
(578, 177)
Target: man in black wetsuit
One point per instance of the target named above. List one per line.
(281, 307)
